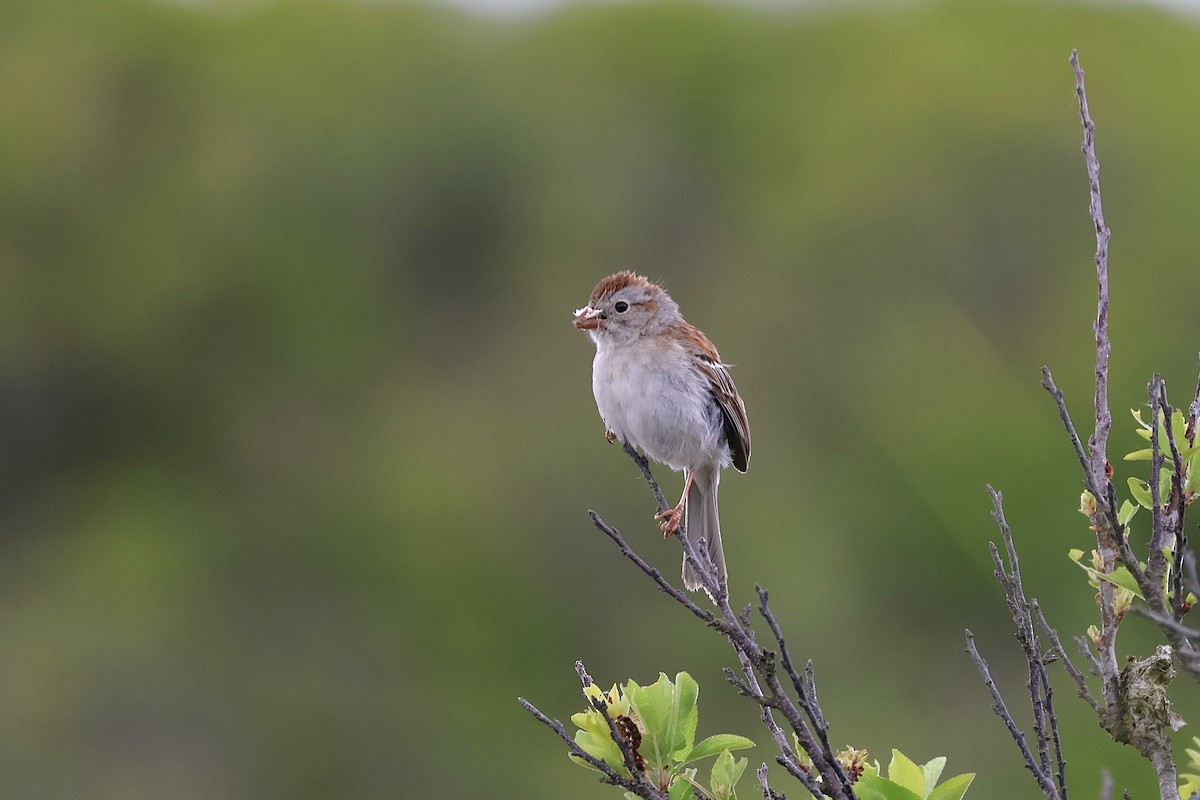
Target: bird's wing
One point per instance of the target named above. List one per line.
(737, 427)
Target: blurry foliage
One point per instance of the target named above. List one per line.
(297, 438)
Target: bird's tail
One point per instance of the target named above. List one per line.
(704, 528)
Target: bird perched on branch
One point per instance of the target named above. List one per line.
(661, 387)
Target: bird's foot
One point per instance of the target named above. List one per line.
(670, 520)
(611, 436)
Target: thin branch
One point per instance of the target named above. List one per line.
(765, 609)
(806, 689)
(584, 678)
(1166, 621)
(1065, 415)
(1031, 763)
(826, 777)
(1193, 415)
(1014, 594)
(1109, 533)
(787, 756)
(703, 566)
(1041, 693)
(653, 572)
(1191, 582)
(1085, 648)
(1156, 561)
(1177, 505)
(644, 466)
(767, 791)
(1099, 440)
(1061, 652)
(640, 788)
(601, 705)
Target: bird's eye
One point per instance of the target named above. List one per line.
(621, 307)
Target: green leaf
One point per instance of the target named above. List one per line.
(1141, 492)
(681, 787)
(688, 693)
(1140, 455)
(1126, 513)
(904, 771)
(668, 712)
(715, 744)
(1118, 577)
(954, 788)
(873, 787)
(1123, 578)
(725, 773)
(1075, 554)
(933, 771)
(601, 746)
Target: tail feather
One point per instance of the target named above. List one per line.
(704, 528)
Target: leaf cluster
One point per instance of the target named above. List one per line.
(906, 780)
(657, 725)
(1189, 452)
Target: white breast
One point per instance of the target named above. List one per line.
(651, 397)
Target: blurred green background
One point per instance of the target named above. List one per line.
(298, 439)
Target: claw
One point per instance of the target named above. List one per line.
(611, 436)
(670, 520)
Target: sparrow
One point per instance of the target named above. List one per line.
(660, 386)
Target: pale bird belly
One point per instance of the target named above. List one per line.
(677, 425)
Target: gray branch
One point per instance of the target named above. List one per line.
(803, 715)
(1099, 439)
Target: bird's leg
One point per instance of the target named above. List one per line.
(672, 518)
(610, 435)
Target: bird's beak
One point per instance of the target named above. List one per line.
(588, 318)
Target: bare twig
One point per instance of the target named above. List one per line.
(639, 787)
(787, 756)
(1049, 766)
(1031, 762)
(644, 466)
(584, 678)
(1190, 581)
(1105, 522)
(1166, 622)
(1156, 562)
(702, 563)
(806, 688)
(826, 777)
(1086, 650)
(1176, 507)
(1061, 652)
(627, 551)
(601, 705)
(1193, 415)
(1098, 442)
(1065, 415)
(1129, 694)
(767, 791)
